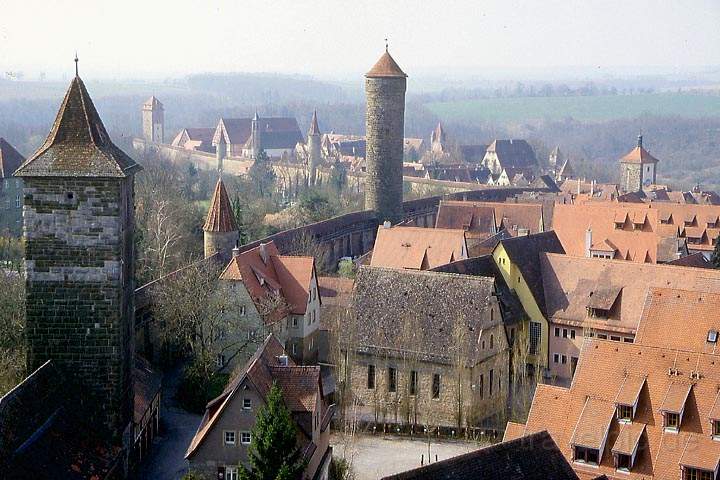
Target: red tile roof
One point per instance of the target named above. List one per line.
(417, 248)
(638, 155)
(220, 217)
(269, 273)
(490, 217)
(386, 67)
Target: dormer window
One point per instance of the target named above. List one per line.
(624, 413)
(591, 431)
(590, 456)
(716, 429)
(671, 421)
(697, 474)
(626, 446)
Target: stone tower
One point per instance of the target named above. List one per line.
(385, 86)
(637, 169)
(220, 230)
(254, 143)
(313, 143)
(153, 118)
(79, 227)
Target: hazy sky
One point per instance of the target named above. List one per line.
(133, 38)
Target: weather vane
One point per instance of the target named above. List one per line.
(76, 64)
(386, 44)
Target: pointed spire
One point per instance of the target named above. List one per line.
(220, 217)
(76, 65)
(314, 129)
(78, 144)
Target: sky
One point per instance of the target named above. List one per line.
(337, 39)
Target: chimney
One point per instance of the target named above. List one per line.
(588, 242)
(387, 224)
(264, 253)
(236, 249)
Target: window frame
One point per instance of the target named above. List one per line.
(243, 436)
(667, 425)
(577, 449)
(232, 433)
(392, 379)
(247, 403)
(620, 412)
(436, 386)
(371, 379)
(413, 387)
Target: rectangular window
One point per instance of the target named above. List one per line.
(623, 462)
(628, 340)
(602, 336)
(624, 413)
(535, 335)
(247, 403)
(229, 437)
(490, 383)
(220, 360)
(557, 332)
(413, 382)
(392, 379)
(482, 386)
(295, 322)
(672, 421)
(716, 428)
(696, 474)
(563, 359)
(556, 357)
(586, 455)
(564, 332)
(245, 438)
(231, 473)
(17, 201)
(436, 386)
(614, 338)
(371, 377)
(242, 310)
(572, 334)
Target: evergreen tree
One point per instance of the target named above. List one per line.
(262, 175)
(274, 452)
(715, 259)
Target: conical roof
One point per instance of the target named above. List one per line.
(314, 129)
(10, 159)
(386, 67)
(220, 217)
(153, 103)
(78, 144)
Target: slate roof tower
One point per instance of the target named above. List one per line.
(220, 231)
(79, 225)
(313, 142)
(385, 86)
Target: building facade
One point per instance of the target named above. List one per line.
(385, 86)
(637, 169)
(11, 191)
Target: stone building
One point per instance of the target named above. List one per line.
(220, 231)
(426, 348)
(516, 156)
(313, 144)
(198, 139)
(153, 120)
(79, 258)
(245, 137)
(385, 86)
(220, 445)
(637, 169)
(10, 191)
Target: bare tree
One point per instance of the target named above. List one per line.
(12, 330)
(198, 312)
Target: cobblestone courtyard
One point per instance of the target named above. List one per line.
(374, 457)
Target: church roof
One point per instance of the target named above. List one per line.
(386, 67)
(10, 159)
(314, 129)
(220, 216)
(78, 144)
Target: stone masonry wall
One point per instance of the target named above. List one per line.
(79, 261)
(631, 177)
(385, 130)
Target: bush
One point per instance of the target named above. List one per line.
(195, 391)
(193, 476)
(340, 469)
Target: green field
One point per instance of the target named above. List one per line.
(590, 109)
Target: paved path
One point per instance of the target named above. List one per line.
(167, 457)
(374, 457)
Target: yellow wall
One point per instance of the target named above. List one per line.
(516, 282)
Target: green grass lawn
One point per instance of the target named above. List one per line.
(591, 109)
